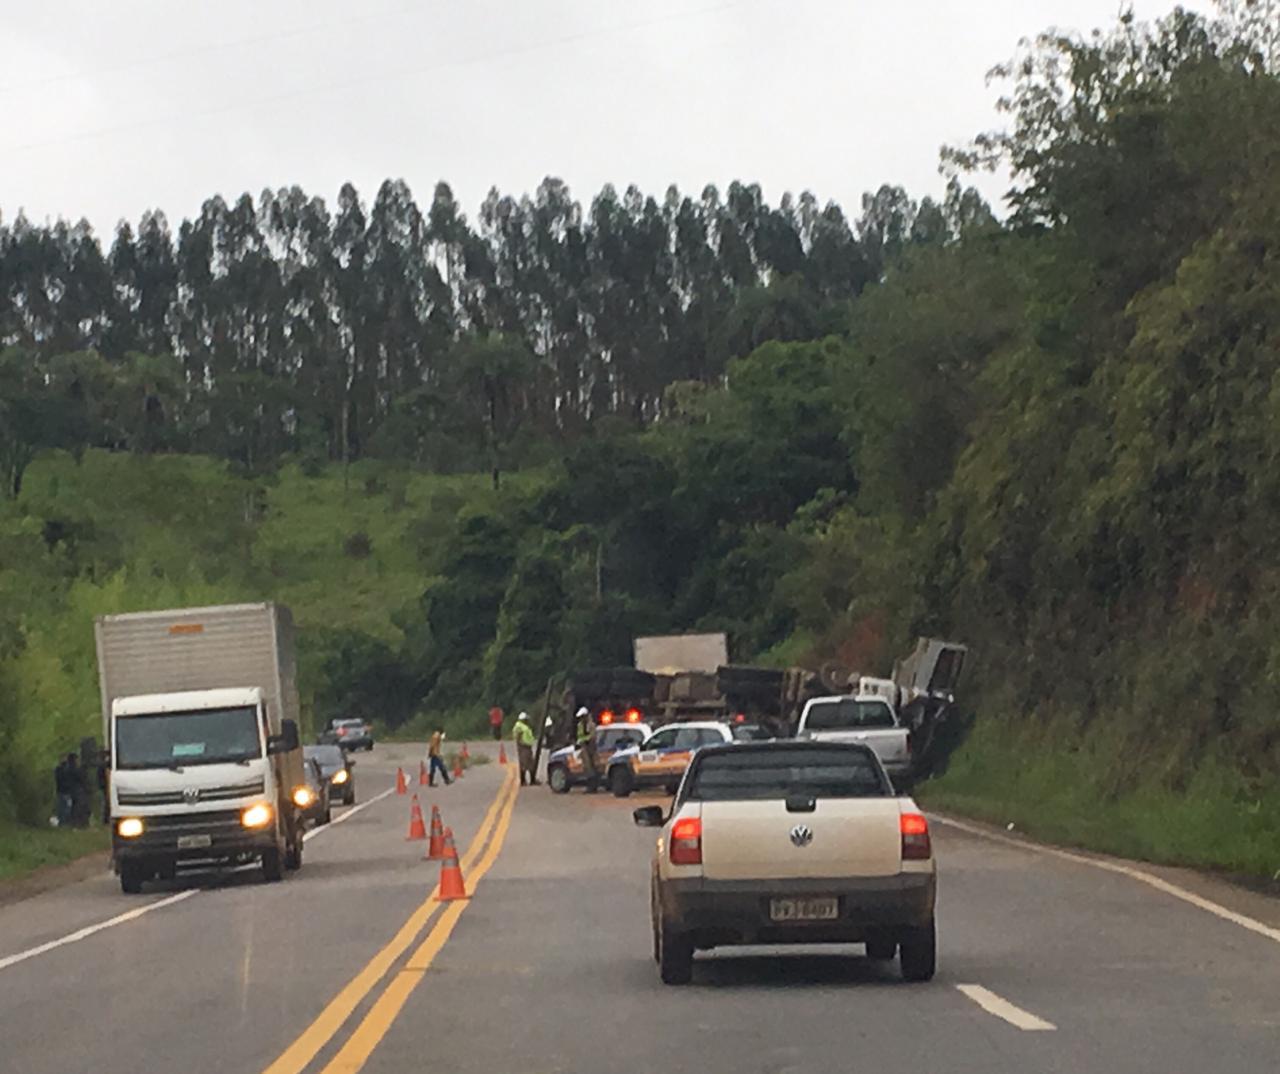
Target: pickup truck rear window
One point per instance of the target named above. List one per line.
(756, 774)
(847, 714)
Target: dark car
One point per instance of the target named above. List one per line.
(313, 796)
(350, 734)
(337, 768)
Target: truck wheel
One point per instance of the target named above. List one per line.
(558, 779)
(272, 865)
(882, 948)
(918, 950)
(131, 877)
(293, 854)
(675, 956)
(622, 781)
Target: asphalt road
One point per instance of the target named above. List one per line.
(1047, 963)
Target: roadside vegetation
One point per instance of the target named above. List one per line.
(471, 456)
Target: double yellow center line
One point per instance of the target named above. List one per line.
(375, 1024)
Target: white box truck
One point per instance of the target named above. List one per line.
(200, 722)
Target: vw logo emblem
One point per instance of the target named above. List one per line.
(801, 835)
(191, 795)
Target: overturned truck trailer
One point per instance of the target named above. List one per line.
(684, 677)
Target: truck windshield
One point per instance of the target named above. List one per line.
(754, 774)
(846, 713)
(179, 739)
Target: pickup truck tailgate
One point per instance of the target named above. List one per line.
(852, 837)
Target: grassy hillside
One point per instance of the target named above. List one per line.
(350, 553)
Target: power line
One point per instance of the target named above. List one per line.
(334, 87)
(202, 50)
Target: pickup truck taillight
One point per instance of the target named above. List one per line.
(915, 837)
(686, 841)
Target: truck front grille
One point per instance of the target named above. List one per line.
(206, 794)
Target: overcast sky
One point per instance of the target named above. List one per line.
(110, 107)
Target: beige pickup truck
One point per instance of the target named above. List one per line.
(791, 842)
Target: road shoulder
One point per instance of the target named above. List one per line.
(1232, 895)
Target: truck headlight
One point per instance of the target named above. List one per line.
(129, 828)
(341, 776)
(257, 816)
(302, 797)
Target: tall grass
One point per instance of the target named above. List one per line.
(1089, 791)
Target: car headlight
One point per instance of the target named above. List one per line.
(341, 776)
(302, 797)
(257, 816)
(129, 828)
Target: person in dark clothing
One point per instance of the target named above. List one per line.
(79, 792)
(104, 789)
(64, 782)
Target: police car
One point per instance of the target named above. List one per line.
(660, 760)
(564, 766)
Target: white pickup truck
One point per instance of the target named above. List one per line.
(868, 719)
(791, 842)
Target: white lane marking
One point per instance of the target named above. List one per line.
(347, 815)
(169, 900)
(1151, 880)
(1002, 1008)
(89, 930)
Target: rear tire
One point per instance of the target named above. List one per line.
(272, 865)
(675, 956)
(327, 815)
(350, 797)
(558, 779)
(622, 781)
(918, 950)
(131, 877)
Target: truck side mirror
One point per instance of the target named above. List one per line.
(287, 740)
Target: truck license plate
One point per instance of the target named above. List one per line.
(804, 909)
(193, 842)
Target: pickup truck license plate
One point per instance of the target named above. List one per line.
(804, 909)
(193, 842)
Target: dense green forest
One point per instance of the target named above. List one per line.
(473, 454)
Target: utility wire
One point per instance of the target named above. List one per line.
(334, 87)
(203, 50)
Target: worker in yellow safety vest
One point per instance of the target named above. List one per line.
(525, 739)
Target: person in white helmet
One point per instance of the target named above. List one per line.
(586, 742)
(525, 739)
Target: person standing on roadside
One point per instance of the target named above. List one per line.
(586, 742)
(435, 756)
(80, 805)
(525, 738)
(64, 786)
(495, 723)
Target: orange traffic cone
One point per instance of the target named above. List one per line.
(451, 885)
(422, 774)
(457, 767)
(435, 848)
(402, 785)
(502, 753)
(417, 829)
